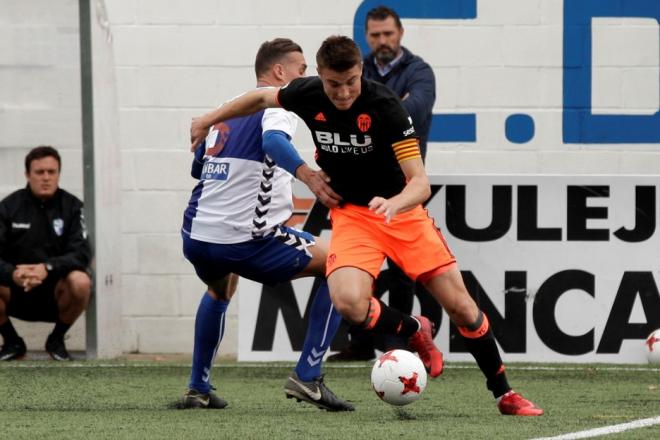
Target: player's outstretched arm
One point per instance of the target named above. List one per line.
(277, 145)
(243, 105)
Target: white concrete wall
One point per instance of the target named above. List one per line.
(40, 104)
(176, 59)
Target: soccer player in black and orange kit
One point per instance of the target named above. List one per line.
(366, 144)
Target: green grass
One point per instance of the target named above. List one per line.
(128, 400)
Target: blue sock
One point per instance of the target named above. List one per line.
(209, 329)
(324, 321)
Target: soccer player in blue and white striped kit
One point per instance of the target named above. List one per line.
(233, 225)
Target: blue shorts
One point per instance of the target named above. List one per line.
(268, 260)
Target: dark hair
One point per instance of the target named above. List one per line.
(338, 53)
(39, 153)
(270, 52)
(380, 13)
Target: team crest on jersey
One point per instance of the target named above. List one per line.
(58, 226)
(364, 122)
(217, 139)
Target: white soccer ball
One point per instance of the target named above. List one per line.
(398, 377)
(653, 347)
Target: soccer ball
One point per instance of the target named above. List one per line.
(653, 347)
(398, 377)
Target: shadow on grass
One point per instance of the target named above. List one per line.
(403, 414)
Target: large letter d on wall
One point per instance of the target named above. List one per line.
(581, 126)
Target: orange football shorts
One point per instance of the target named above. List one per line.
(362, 239)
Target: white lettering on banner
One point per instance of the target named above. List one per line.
(566, 268)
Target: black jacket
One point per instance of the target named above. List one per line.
(33, 231)
(413, 76)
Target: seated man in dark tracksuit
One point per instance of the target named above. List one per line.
(44, 256)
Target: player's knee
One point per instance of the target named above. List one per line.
(4, 302)
(345, 311)
(79, 285)
(5, 294)
(463, 313)
(351, 308)
(224, 288)
(220, 294)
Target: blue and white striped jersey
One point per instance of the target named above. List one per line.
(241, 194)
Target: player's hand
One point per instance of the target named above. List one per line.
(382, 206)
(198, 132)
(318, 183)
(30, 284)
(19, 276)
(29, 276)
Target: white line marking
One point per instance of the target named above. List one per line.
(283, 364)
(561, 368)
(606, 430)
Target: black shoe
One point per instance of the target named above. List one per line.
(56, 348)
(13, 350)
(351, 353)
(316, 393)
(195, 399)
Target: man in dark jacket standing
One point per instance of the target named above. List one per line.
(412, 79)
(408, 75)
(44, 256)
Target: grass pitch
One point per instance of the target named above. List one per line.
(137, 400)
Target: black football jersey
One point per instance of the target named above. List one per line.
(354, 146)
